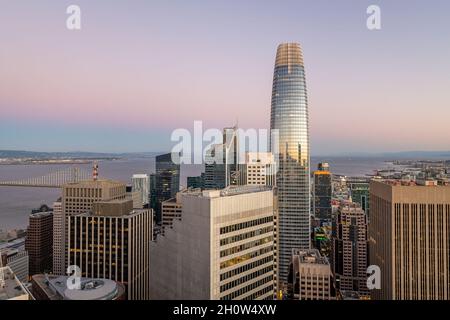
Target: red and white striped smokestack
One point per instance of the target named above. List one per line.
(95, 171)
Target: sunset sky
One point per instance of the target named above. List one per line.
(139, 69)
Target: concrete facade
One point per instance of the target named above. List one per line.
(222, 248)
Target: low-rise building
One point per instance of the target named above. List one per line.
(52, 287)
(309, 276)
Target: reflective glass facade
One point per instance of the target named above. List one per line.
(289, 114)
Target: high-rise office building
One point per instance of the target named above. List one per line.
(359, 192)
(14, 255)
(322, 192)
(222, 248)
(171, 210)
(135, 197)
(165, 183)
(112, 241)
(289, 115)
(78, 198)
(259, 169)
(349, 256)
(409, 239)
(59, 246)
(141, 184)
(221, 161)
(39, 241)
(309, 276)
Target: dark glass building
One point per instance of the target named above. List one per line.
(196, 182)
(39, 240)
(289, 115)
(221, 167)
(322, 194)
(165, 183)
(359, 191)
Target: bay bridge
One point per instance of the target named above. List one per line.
(51, 180)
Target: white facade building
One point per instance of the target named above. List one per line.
(223, 248)
(259, 169)
(141, 183)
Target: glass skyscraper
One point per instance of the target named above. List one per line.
(289, 115)
(165, 183)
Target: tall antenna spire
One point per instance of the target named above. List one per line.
(95, 171)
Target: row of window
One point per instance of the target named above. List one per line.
(245, 246)
(244, 225)
(246, 235)
(248, 288)
(246, 267)
(245, 278)
(245, 257)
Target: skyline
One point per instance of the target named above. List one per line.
(145, 78)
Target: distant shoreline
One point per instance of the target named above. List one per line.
(6, 161)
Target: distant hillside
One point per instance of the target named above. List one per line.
(71, 155)
(418, 155)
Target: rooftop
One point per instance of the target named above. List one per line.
(94, 183)
(10, 287)
(228, 191)
(411, 183)
(56, 288)
(311, 256)
(38, 215)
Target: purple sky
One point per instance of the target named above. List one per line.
(139, 69)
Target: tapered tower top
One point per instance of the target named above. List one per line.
(289, 54)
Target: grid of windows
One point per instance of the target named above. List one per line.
(248, 288)
(260, 293)
(289, 115)
(244, 236)
(245, 246)
(245, 257)
(244, 225)
(246, 278)
(245, 267)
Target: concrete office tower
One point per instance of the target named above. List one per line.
(409, 240)
(14, 255)
(135, 197)
(112, 241)
(165, 182)
(59, 245)
(78, 198)
(171, 210)
(309, 276)
(259, 169)
(39, 242)
(221, 161)
(221, 249)
(141, 184)
(289, 115)
(349, 256)
(322, 193)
